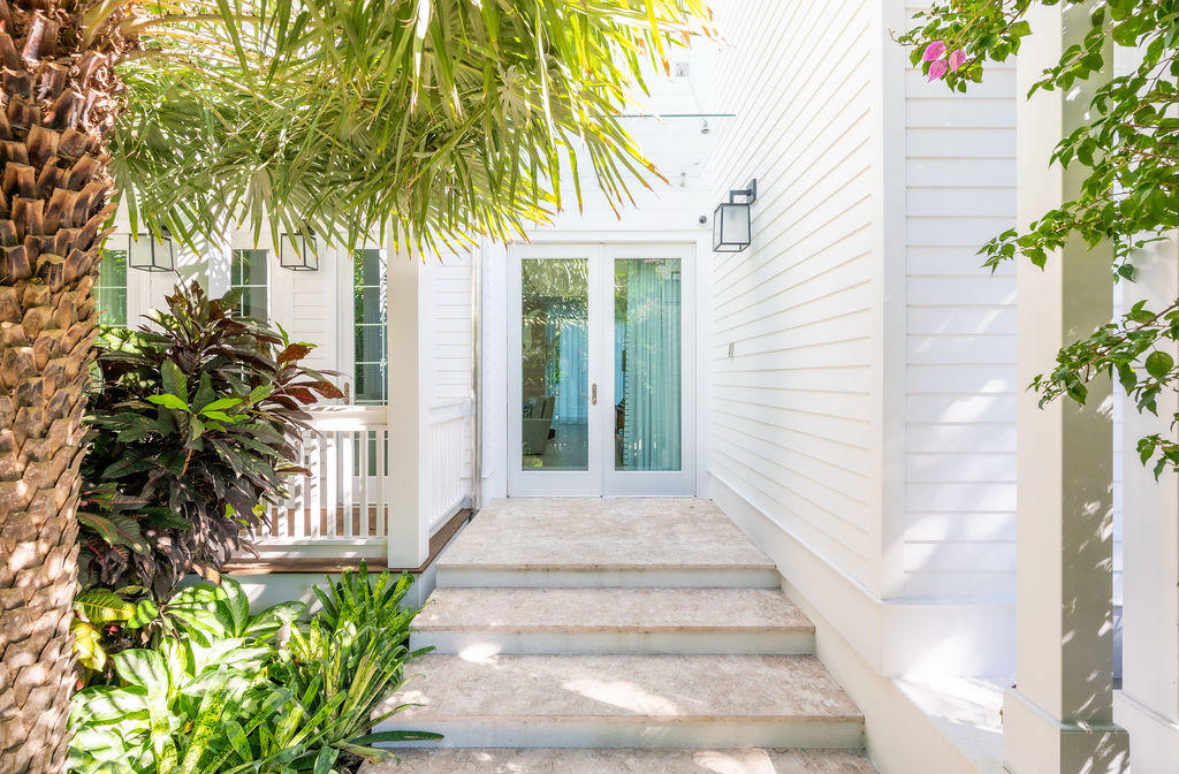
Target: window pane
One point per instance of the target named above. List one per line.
(249, 268)
(370, 306)
(555, 364)
(370, 266)
(112, 306)
(369, 310)
(113, 269)
(111, 291)
(370, 382)
(370, 343)
(647, 365)
(254, 303)
(248, 275)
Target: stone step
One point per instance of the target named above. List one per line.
(651, 543)
(681, 576)
(608, 761)
(652, 701)
(528, 620)
(595, 576)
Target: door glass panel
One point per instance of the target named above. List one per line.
(555, 363)
(647, 364)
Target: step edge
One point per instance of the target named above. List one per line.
(613, 629)
(767, 564)
(662, 720)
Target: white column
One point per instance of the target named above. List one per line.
(1058, 719)
(409, 396)
(218, 258)
(1148, 704)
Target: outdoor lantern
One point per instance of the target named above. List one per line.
(152, 252)
(731, 228)
(297, 251)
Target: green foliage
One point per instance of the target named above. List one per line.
(355, 600)
(1128, 149)
(441, 119)
(196, 418)
(213, 692)
(107, 622)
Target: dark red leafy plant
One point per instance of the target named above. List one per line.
(195, 420)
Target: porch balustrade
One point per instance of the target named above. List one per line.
(341, 509)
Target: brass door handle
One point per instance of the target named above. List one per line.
(594, 394)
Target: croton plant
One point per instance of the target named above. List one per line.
(195, 420)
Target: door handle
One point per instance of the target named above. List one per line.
(594, 394)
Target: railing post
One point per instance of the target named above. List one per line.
(409, 396)
(1058, 719)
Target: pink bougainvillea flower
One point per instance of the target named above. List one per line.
(957, 59)
(934, 51)
(937, 70)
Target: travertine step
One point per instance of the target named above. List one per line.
(714, 701)
(650, 543)
(532, 620)
(606, 761)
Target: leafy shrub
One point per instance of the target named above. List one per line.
(106, 622)
(196, 418)
(356, 600)
(214, 693)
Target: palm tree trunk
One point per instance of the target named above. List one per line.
(59, 102)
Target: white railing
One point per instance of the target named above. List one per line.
(449, 495)
(341, 510)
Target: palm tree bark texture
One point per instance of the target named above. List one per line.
(60, 100)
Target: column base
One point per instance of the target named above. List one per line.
(1034, 742)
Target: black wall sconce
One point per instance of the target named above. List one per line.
(731, 226)
(298, 252)
(152, 252)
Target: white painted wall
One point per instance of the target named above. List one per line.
(793, 426)
(863, 426)
(450, 317)
(855, 440)
(1146, 538)
(959, 526)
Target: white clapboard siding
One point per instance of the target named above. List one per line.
(451, 333)
(311, 303)
(960, 369)
(792, 336)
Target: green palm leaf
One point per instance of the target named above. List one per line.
(435, 122)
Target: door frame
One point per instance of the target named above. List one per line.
(600, 479)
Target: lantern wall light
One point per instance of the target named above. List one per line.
(152, 251)
(298, 251)
(731, 226)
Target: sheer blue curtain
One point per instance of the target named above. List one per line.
(568, 372)
(652, 382)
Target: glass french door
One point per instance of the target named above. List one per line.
(599, 345)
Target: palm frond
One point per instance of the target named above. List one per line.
(436, 121)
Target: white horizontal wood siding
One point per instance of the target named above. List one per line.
(959, 531)
(309, 305)
(793, 316)
(452, 338)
